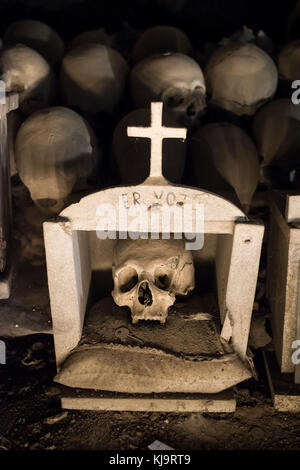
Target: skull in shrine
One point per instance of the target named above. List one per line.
(173, 78)
(149, 275)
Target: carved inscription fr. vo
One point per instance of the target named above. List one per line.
(159, 197)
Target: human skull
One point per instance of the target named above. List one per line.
(158, 40)
(246, 34)
(173, 78)
(240, 77)
(96, 36)
(276, 130)
(93, 78)
(289, 61)
(222, 155)
(27, 73)
(54, 148)
(38, 36)
(149, 274)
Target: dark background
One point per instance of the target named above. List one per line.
(202, 20)
(28, 395)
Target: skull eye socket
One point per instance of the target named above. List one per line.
(128, 278)
(173, 97)
(174, 101)
(162, 279)
(191, 110)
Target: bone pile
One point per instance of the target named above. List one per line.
(224, 93)
(78, 96)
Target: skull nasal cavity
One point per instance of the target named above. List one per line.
(191, 111)
(145, 294)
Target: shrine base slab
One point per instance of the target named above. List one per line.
(285, 393)
(75, 399)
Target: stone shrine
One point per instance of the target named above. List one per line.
(192, 349)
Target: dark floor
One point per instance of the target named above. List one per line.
(28, 397)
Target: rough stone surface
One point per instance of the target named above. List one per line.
(217, 403)
(187, 331)
(133, 369)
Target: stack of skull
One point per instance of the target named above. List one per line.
(67, 92)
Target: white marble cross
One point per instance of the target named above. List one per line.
(156, 133)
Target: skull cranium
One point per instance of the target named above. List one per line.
(149, 274)
(93, 78)
(27, 73)
(37, 35)
(160, 39)
(240, 78)
(289, 61)
(173, 78)
(55, 147)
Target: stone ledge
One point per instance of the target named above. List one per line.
(76, 399)
(285, 393)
